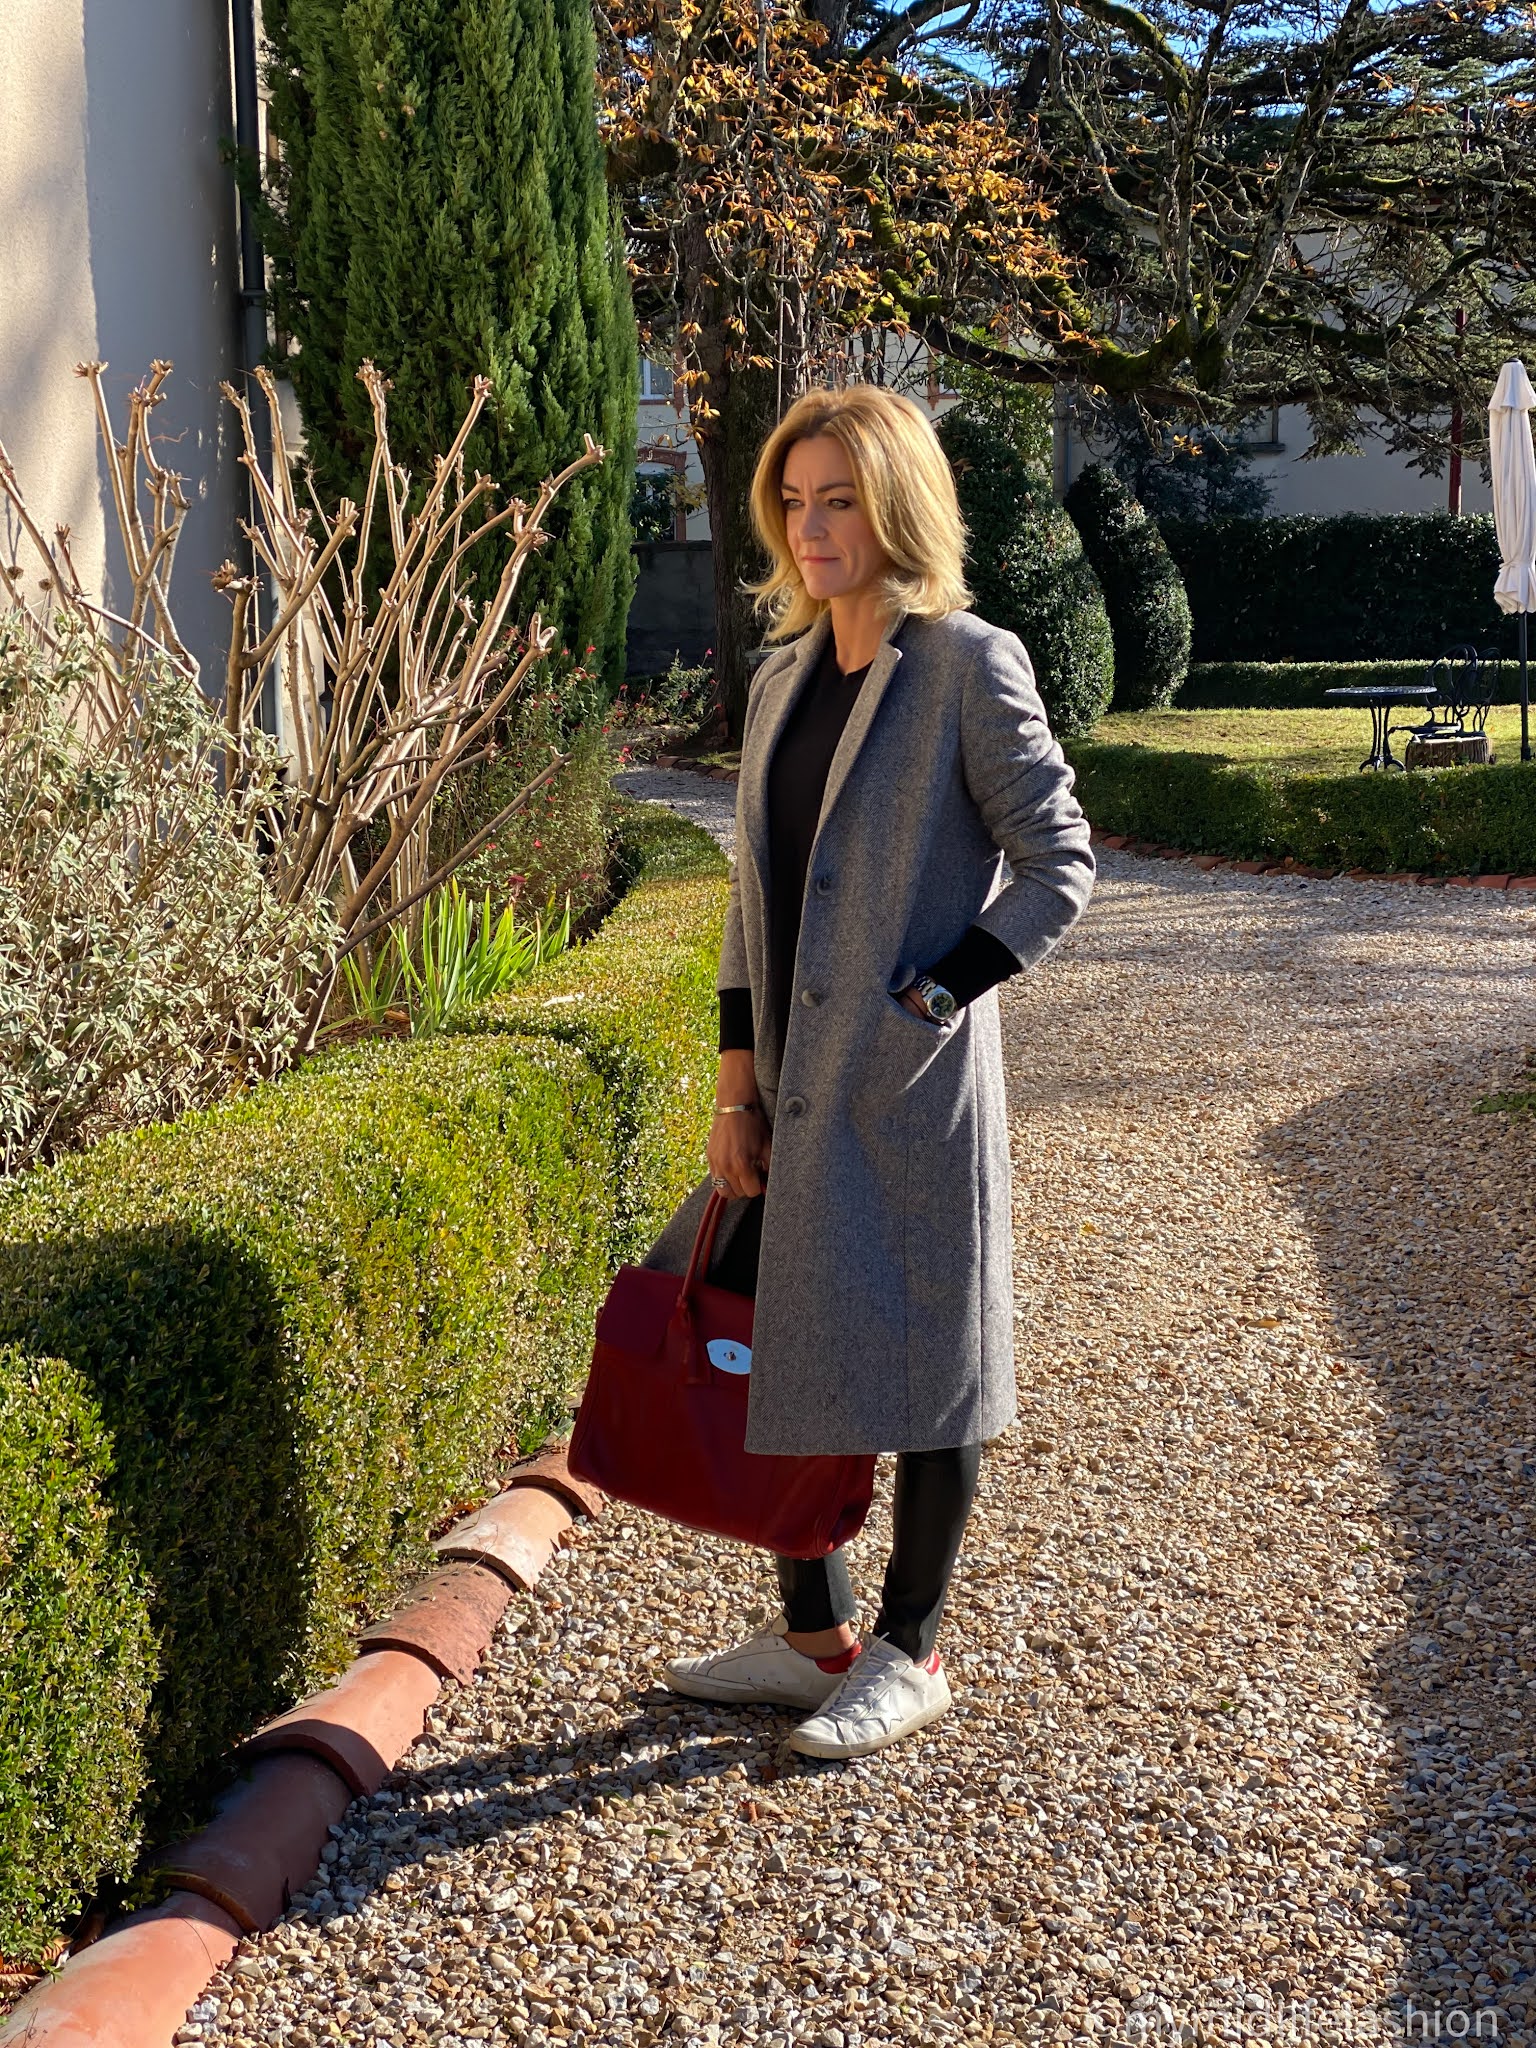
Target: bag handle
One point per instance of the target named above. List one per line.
(697, 1371)
(703, 1243)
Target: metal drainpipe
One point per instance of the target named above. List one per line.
(253, 278)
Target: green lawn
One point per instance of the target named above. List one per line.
(1305, 742)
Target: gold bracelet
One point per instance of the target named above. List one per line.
(735, 1108)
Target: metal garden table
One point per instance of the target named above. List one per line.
(1381, 700)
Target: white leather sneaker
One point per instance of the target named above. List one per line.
(764, 1669)
(882, 1696)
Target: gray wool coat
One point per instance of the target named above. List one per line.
(884, 1316)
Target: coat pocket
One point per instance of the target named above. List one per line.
(909, 1045)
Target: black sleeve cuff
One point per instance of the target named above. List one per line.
(978, 963)
(736, 1034)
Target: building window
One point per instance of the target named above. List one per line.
(1259, 434)
(655, 379)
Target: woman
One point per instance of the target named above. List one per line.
(894, 752)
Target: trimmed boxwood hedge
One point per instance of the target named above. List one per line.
(643, 1011)
(1356, 587)
(1143, 590)
(308, 1325)
(76, 1655)
(1449, 821)
(1294, 685)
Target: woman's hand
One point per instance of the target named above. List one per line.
(739, 1144)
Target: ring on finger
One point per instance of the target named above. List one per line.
(720, 1184)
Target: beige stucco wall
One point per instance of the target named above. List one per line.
(1372, 481)
(117, 242)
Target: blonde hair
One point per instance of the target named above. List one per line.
(906, 490)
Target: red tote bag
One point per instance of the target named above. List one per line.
(663, 1421)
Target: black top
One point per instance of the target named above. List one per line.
(797, 783)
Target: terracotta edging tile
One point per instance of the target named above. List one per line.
(447, 1619)
(550, 1469)
(363, 1724)
(131, 1989)
(515, 1534)
(264, 1841)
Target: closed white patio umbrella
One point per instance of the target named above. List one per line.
(1512, 458)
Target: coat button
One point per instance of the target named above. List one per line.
(810, 997)
(795, 1106)
(823, 885)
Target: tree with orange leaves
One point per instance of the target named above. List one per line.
(1203, 207)
(787, 187)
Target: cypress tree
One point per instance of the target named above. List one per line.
(440, 207)
(1143, 590)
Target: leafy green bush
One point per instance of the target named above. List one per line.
(1358, 587)
(76, 1656)
(1029, 573)
(1143, 590)
(681, 695)
(561, 843)
(1450, 821)
(1293, 685)
(145, 954)
(310, 1322)
(314, 1321)
(1017, 416)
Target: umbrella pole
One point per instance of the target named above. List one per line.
(1525, 696)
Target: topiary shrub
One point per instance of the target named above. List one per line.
(1296, 685)
(1029, 573)
(76, 1657)
(1143, 591)
(639, 1003)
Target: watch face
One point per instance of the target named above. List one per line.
(941, 1003)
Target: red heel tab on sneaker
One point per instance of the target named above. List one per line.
(840, 1662)
(932, 1666)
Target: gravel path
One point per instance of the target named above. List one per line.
(706, 803)
(1243, 1634)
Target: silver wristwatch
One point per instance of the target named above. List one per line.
(935, 998)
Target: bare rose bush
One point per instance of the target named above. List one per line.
(179, 889)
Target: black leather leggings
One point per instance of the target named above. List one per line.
(931, 1506)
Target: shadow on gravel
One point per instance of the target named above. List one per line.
(498, 1793)
(1422, 1214)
